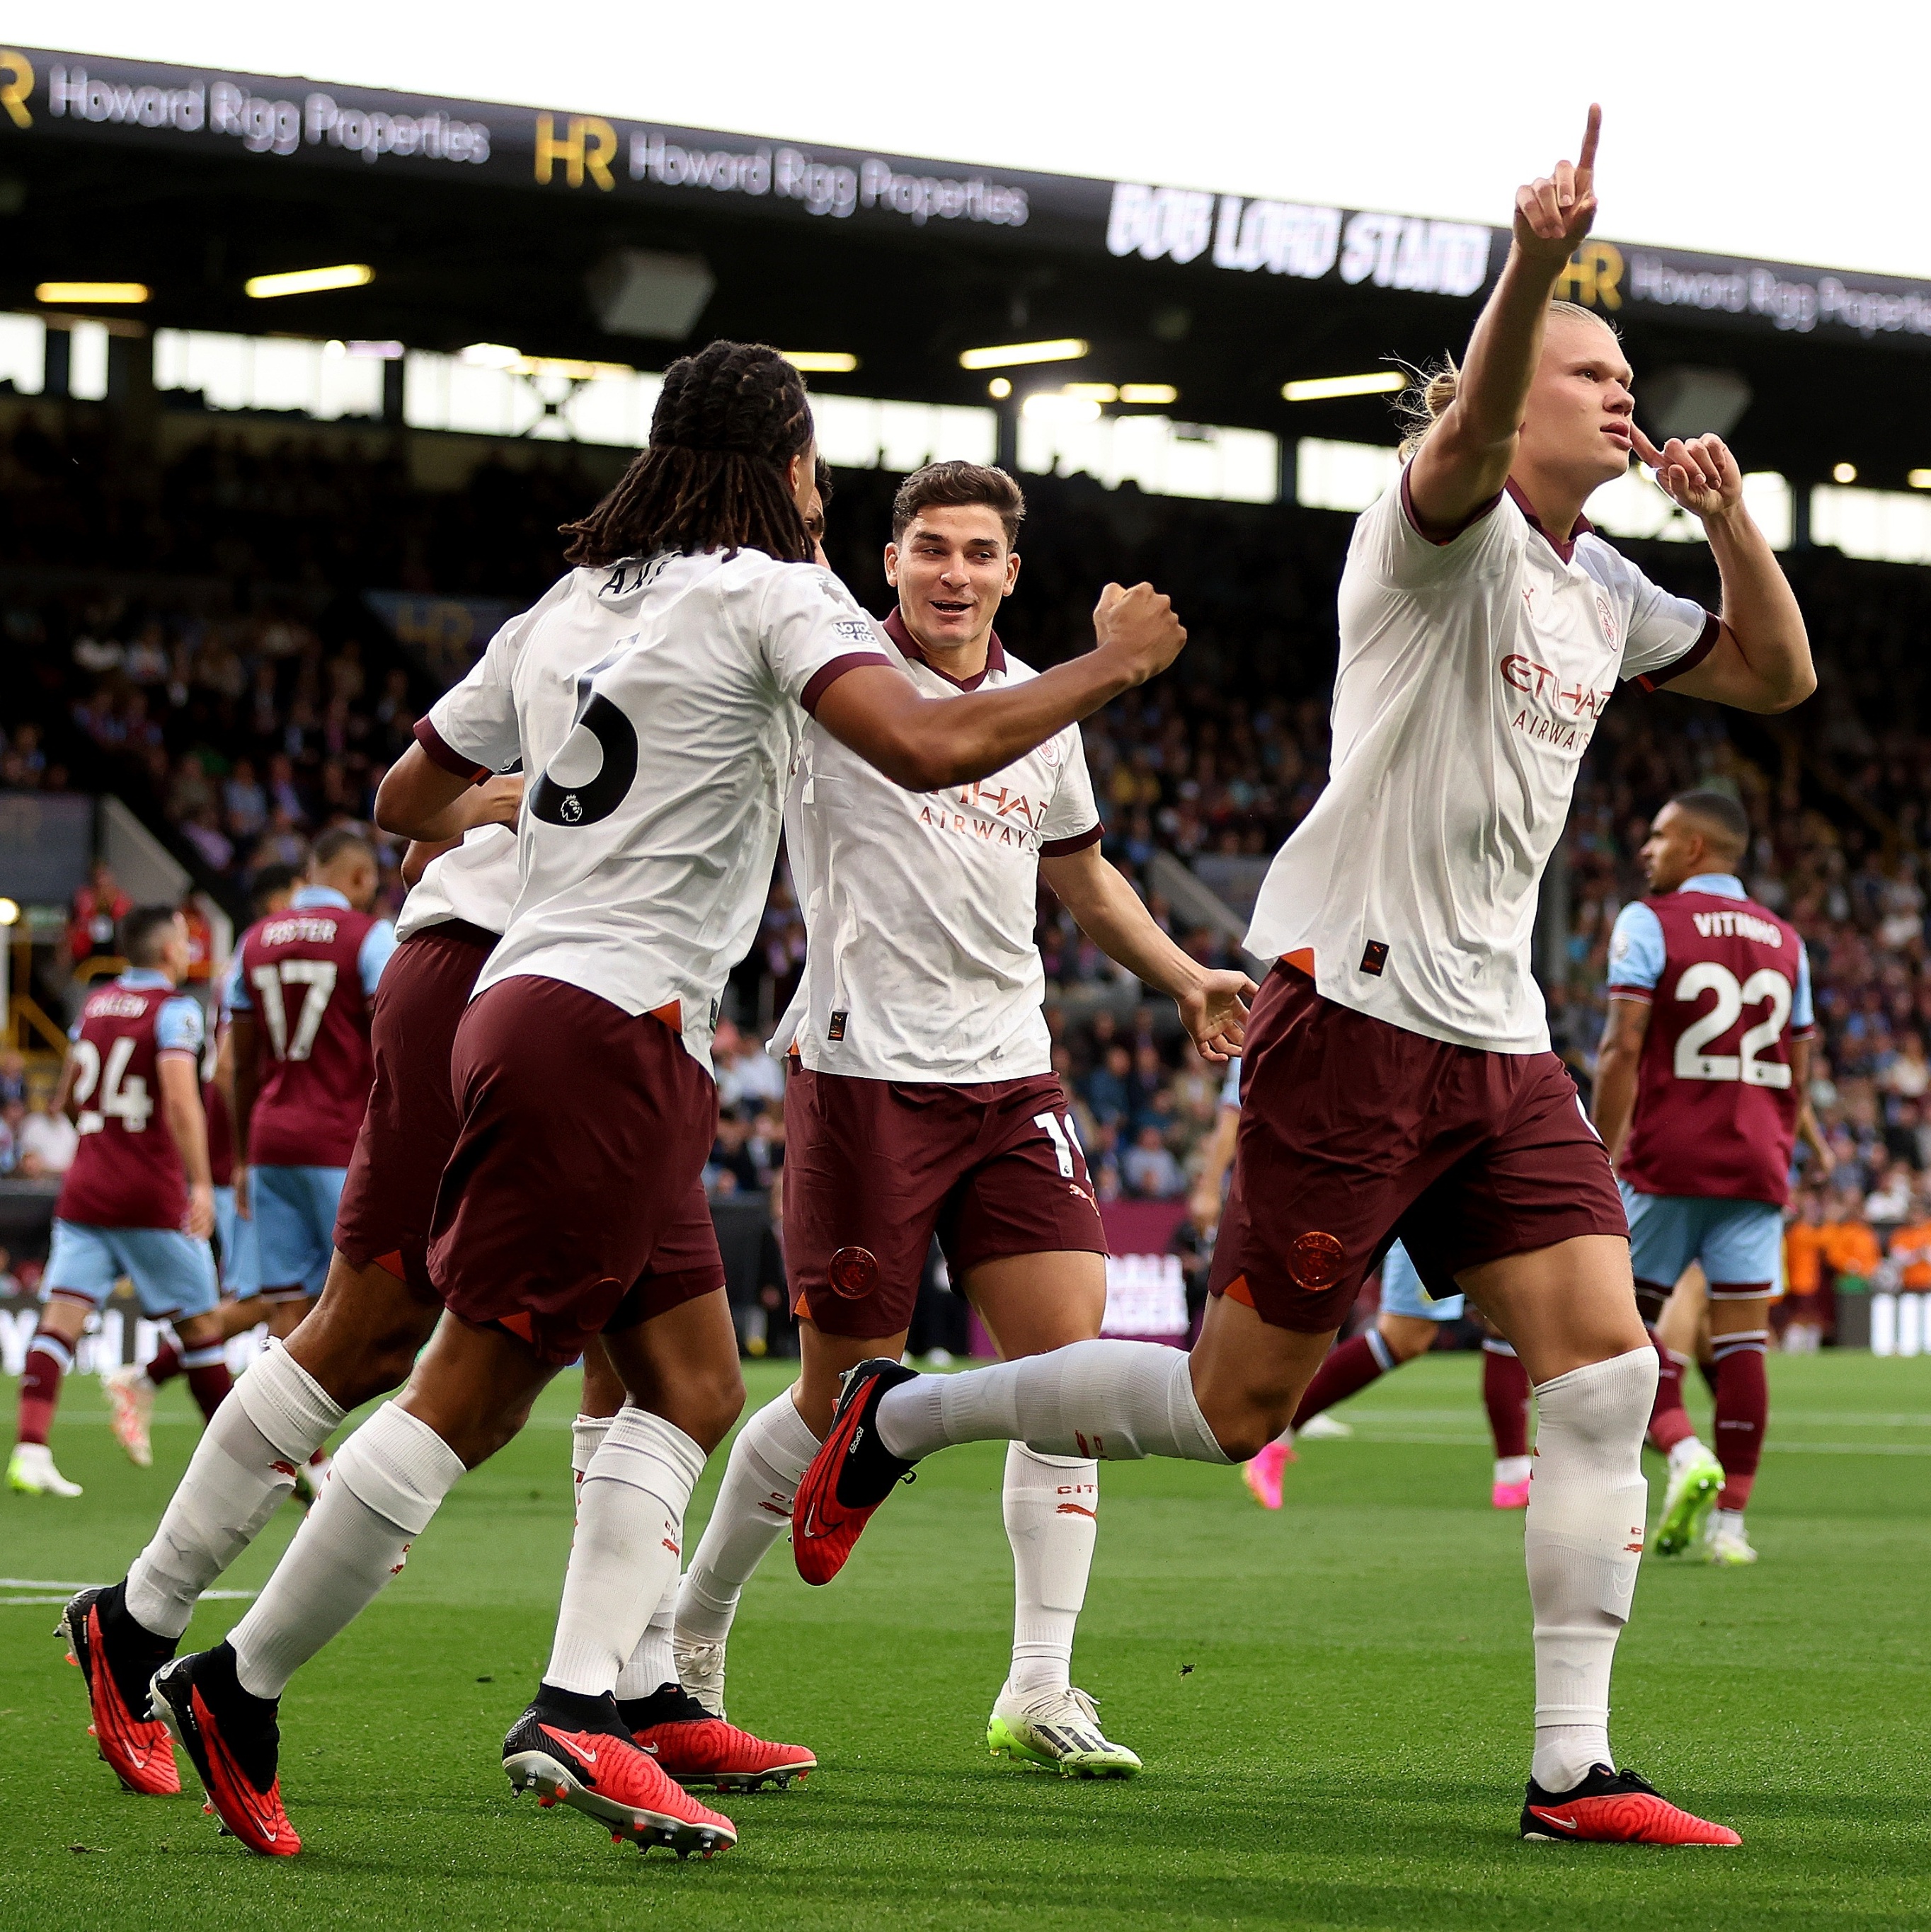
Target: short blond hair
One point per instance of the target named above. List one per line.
(1423, 404)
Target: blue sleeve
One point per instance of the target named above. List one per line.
(178, 1027)
(1636, 948)
(235, 989)
(378, 944)
(1231, 1086)
(1801, 1012)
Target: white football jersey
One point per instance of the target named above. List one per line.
(475, 881)
(655, 705)
(920, 907)
(1471, 676)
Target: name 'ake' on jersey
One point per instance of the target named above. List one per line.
(127, 1171)
(656, 705)
(307, 976)
(1728, 983)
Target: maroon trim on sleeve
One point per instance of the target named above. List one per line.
(1468, 522)
(1802, 1032)
(1062, 848)
(827, 675)
(1645, 995)
(436, 749)
(1706, 642)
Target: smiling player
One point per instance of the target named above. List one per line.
(1397, 1079)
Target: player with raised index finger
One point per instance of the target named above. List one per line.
(1397, 1077)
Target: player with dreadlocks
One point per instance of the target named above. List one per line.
(654, 697)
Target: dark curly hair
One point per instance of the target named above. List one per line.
(729, 420)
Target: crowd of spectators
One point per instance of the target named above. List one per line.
(252, 708)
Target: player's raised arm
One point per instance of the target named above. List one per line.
(1466, 460)
(1761, 660)
(925, 744)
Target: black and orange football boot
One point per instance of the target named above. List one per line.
(118, 1657)
(233, 1740)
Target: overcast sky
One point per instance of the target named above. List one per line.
(1790, 132)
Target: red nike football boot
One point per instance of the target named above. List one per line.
(697, 1749)
(573, 1750)
(233, 1739)
(852, 1474)
(107, 1645)
(1616, 1807)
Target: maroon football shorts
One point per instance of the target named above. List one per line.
(873, 1168)
(1354, 1131)
(573, 1202)
(410, 1127)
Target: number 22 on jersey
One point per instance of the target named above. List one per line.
(1765, 984)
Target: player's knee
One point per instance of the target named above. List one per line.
(715, 1403)
(1406, 1335)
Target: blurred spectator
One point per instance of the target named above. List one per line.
(44, 1144)
(94, 922)
(1148, 1167)
(12, 1076)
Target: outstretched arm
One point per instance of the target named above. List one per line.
(1113, 917)
(1762, 662)
(418, 799)
(1466, 460)
(926, 743)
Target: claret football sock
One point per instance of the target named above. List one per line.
(388, 1479)
(1347, 1370)
(242, 1471)
(1669, 1421)
(207, 1379)
(48, 1359)
(1584, 1542)
(1743, 1413)
(1505, 1394)
(752, 1511)
(629, 1536)
(1112, 1401)
(1051, 1506)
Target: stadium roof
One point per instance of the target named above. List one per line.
(481, 221)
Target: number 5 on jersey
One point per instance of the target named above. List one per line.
(318, 977)
(1763, 985)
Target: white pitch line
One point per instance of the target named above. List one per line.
(50, 1583)
(1769, 1448)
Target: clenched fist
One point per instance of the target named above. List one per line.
(1139, 628)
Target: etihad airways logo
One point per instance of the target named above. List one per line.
(994, 813)
(1564, 716)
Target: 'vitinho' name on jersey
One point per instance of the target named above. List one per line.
(1738, 926)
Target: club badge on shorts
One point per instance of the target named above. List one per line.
(1315, 1260)
(853, 1272)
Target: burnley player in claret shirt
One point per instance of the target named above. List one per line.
(1701, 1088)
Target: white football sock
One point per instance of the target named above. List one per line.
(752, 1511)
(1113, 1401)
(1728, 1523)
(389, 1479)
(653, 1663)
(1051, 1503)
(243, 1469)
(630, 1515)
(1689, 1449)
(1584, 1542)
(1512, 1469)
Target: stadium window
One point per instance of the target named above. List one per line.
(859, 432)
(1883, 526)
(269, 372)
(23, 353)
(1633, 506)
(1161, 457)
(1342, 476)
(87, 362)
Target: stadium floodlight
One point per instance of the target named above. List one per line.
(10, 912)
(1148, 392)
(1919, 479)
(309, 281)
(1844, 472)
(102, 292)
(999, 388)
(821, 361)
(1015, 355)
(1055, 406)
(1328, 388)
(489, 355)
(1094, 392)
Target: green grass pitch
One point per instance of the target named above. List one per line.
(1333, 1705)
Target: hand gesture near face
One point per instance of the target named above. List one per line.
(1553, 214)
(1700, 476)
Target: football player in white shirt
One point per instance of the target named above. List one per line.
(1397, 1079)
(923, 1100)
(654, 696)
